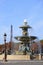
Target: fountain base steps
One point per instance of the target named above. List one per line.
(19, 57)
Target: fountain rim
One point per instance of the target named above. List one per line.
(29, 37)
(25, 26)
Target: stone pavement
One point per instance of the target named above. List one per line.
(15, 62)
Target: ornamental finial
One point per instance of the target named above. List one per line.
(25, 21)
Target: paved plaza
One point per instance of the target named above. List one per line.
(21, 62)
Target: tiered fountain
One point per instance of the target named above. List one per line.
(25, 39)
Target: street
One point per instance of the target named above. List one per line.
(21, 63)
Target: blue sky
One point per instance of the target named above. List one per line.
(15, 11)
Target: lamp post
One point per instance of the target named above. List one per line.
(5, 58)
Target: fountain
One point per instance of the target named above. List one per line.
(25, 39)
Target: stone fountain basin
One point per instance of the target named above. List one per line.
(24, 38)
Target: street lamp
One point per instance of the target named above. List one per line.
(5, 58)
